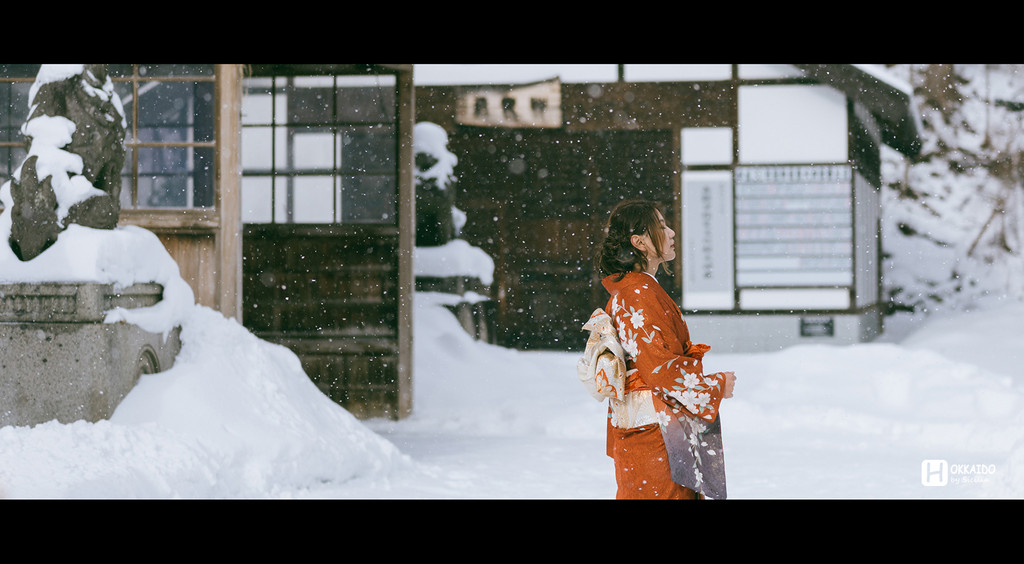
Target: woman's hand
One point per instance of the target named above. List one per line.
(730, 382)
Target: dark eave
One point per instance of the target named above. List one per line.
(893, 107)
(322, 69)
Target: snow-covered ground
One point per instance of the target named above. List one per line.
(237, 418)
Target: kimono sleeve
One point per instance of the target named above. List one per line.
(656, 339)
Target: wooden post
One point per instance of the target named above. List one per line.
(229, 190)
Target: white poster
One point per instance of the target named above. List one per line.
(707, 240)
(794, 226)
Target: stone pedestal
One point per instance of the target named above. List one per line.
(477, 316)
(59, 360)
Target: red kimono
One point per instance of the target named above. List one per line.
(680, 455)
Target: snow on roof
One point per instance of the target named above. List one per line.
(887, 97)
(461, 74)
(478, 74)
(887, 77)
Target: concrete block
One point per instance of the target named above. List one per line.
(58, 360)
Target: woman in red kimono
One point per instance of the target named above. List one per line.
(664, 436)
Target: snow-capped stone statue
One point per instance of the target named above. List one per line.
(72, 174)
(437, 219)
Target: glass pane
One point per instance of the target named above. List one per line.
(163, 160)
(203, 177)
(175, 112)
(309, 106)
(258, 83)
(14, 110)
(313, 149)
(313, 199)
(6, 166)
(319, 81)
(369, 150)
(163, 191)
(257, 148)
(120, 71)
(204, 108)
(19, 71)
(368, 198)
(127, 182)
(281, 200)
(10, 159)
(367, 104)
(258, 107)
(175, 70)
(257, 199)
(124, 92)
(175, 177)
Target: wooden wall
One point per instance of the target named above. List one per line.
(331, 295)
(206, 242)
(537, 202)
(537, 199)
(341, 295)
(195, 255)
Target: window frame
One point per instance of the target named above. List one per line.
(194, 215)
(133, 143)
(281, 173)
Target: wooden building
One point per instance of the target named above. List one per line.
(769, 173)
(284, 193)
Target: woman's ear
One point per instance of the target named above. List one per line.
(638, 242)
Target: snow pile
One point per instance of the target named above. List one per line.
(258, 425)
(235, 417)
(467, 386)
(455, 258)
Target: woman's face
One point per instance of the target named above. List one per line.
(668, 240)
(668, 245)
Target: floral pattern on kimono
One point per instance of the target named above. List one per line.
(657, 344)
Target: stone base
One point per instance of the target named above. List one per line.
(768, 332)
(477, 318)
(58, 360)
